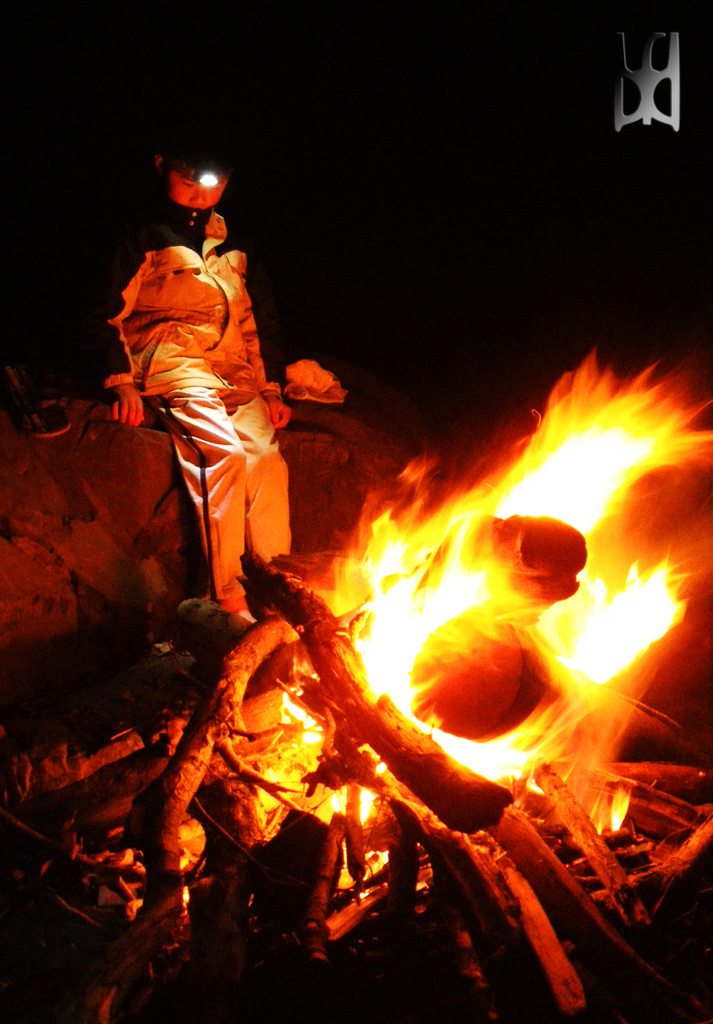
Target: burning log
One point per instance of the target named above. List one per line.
(479, 677)
(546, 555)
(463, 800)
(604, 863)
(540, 556)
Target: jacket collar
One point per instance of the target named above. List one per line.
(201, 225)
(215, 231)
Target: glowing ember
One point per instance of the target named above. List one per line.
(592, 464)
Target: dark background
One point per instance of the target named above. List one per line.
(439, 194)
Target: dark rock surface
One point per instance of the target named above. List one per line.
(97, 542)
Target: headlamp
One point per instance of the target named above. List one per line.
(203, 174)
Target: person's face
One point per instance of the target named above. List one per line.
(183, 190)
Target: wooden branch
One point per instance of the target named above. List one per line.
(125, 960)
(88, 864)
(341, 922)
(468, 860)
(463, 800)
(653, 811)
(219, 936)
(468, 965)
(499, 897)
(226, 751)
(102, 800)
(404, 866)
(354, 836)
(315, 932)
(167, 800)
(163, 807)
(49, 767)
(564, 984)
(604, 863)
(646, 994)
(688, 783)
(682, 869)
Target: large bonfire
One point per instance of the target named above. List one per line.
(430, 725)
(496, 580)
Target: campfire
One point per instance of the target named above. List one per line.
(421, 738)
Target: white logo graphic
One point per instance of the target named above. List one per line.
(646, 78)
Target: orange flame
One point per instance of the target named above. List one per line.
(609, 810)
(599, 462)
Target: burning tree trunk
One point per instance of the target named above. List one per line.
(462, 800)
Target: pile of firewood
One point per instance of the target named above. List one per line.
(227, 882)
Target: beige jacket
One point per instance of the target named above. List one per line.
(186, 319)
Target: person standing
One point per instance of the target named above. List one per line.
(177, 332)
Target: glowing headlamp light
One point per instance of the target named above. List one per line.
(206, 175)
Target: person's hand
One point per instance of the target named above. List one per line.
(279, 412)
(128, 408)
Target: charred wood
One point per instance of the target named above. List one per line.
(126, 959)
(162, 808)
(540, 555)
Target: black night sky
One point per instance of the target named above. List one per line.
(438, 192)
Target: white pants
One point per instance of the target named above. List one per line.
(235, 475)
